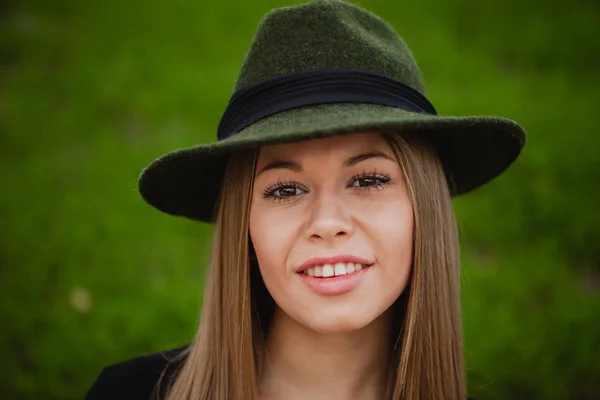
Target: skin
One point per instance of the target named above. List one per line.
(317, 205)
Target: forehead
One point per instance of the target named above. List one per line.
(330, 146)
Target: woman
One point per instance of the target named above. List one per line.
(335, 268)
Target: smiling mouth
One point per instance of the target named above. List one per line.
(331, 270)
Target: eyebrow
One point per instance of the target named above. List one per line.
(294, 166)
(365, 156)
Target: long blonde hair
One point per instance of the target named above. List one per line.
(224, 360)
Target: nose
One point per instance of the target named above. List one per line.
(328, 220)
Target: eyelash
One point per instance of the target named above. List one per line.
(381, 178)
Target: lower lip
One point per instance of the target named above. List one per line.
(335, 284)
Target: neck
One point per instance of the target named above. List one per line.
(304, 364)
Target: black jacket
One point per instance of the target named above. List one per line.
(137, 378)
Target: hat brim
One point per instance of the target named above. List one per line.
(473, 150)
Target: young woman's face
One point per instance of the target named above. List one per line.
(332, 227)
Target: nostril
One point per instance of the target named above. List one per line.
(328, 229)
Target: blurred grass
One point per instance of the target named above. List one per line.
(92, 91)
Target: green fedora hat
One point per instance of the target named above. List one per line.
(319, 69)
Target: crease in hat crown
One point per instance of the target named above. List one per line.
(327, 34)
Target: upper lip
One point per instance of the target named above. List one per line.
(320, 261)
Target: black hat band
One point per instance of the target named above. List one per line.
(306, 88)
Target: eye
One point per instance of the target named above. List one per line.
(368, 180)
(286, 191)
(283, 191)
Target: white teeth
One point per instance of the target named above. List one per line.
(339, 269)
(328, 270)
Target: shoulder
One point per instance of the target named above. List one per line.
(136, 378)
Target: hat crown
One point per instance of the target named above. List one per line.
(327, 34)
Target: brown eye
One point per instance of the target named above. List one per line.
(368, 181)
(365, 182)
(286, 191)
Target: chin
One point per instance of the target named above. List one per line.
(329, 323)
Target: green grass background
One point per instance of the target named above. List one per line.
(91, 91)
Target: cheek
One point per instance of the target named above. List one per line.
(397, 233)
(391, 232)
(390, 225)
(272, 239)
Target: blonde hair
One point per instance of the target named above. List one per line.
(224, 360)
